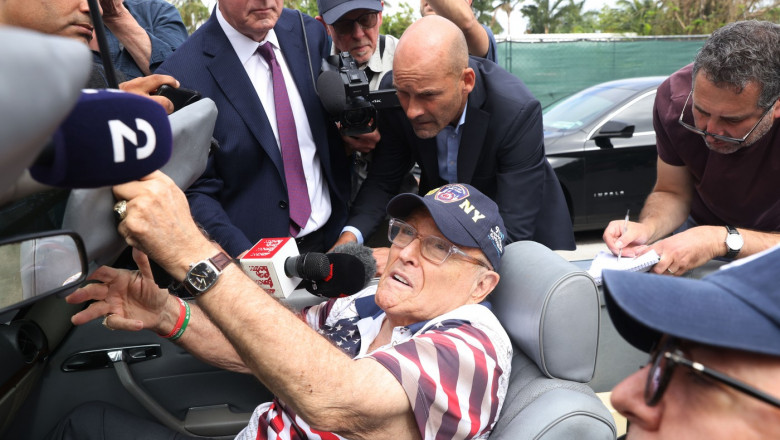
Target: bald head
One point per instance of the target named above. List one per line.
(433, 40)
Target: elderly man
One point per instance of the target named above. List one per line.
(463, 120)
(427, 307)
(714, 369)
(70, 18)
(353, 25)
(718, 144)
(280, 170)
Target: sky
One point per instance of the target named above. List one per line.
(518, 24)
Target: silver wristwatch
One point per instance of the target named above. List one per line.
(204, 274)
(734, 242)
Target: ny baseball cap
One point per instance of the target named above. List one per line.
(332, 10)
(737, 307)
(464, 216)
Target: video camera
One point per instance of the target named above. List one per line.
(343, 90)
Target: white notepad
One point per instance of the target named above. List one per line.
(607, 260)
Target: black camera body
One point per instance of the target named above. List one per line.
(348, 99)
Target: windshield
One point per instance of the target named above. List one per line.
(583, 107)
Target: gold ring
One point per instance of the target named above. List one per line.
(120, 210)
(105, 321)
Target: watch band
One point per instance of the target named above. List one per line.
(731, 252)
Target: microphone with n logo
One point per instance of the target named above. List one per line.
(110, 137)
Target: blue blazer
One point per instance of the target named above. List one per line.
(501, 153)
(242, 195)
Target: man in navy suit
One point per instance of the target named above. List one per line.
(463, 120)
(243, 194)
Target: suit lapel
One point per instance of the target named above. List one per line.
(234, 83)
(474, 130)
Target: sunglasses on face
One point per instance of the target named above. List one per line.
(434, 249)
(718, 136)
(366, 21)
(668, 356)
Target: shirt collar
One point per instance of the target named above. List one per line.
(244, 46)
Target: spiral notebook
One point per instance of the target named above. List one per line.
(607, 260)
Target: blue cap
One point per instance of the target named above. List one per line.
(332, 10)
(737, 307)
(464, 216)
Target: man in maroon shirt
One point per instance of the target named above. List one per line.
(718, 182)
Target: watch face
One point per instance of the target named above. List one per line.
(734, 241)
(202, 276)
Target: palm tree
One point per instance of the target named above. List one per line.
(507, 6)
(545, 16)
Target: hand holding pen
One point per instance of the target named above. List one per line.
(623, 232)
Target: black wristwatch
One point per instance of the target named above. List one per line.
(203, 275)
(734, 242)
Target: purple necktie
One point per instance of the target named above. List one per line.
(300, 207)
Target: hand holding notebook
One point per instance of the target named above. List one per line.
(607, 260)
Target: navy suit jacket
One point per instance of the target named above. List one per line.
(501, 153)
(242, 195)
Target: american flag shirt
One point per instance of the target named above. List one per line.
(454, 368)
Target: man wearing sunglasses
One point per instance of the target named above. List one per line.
(420, 355)
(714, 369)
(718, 145)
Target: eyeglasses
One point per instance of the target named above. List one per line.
(665, 359)
(434, 249)
(366, 21)
(718, 136)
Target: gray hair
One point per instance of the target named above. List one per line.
(740, 53)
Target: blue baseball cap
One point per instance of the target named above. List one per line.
(464, 216)
(737, 307)
(332, 10)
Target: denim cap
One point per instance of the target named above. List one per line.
(463, 215)
(737, 307)
(332, 10)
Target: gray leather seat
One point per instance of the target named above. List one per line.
(550, 309)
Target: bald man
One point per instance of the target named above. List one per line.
(462, 120)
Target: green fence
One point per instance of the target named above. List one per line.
(556, 69)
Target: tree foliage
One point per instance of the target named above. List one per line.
(397, 23)
(193, 13)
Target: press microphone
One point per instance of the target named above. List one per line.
(331, 92)
(110, 137)
(351, 268)
(309, 266)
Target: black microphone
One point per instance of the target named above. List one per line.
(309, 266)
(331, 92)
(110, 137)
(351, 268)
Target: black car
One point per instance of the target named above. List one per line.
(601, 143)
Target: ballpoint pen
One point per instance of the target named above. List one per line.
(625, 228)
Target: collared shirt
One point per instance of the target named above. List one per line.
(454, 368)
(259, 73)
(447, 145)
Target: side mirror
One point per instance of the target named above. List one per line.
(613, 129)
(39, 265)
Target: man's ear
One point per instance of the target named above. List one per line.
(320, 19)
(487, 281)
(469, 79)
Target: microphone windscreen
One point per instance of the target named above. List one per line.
(363, 253)
(347, 277)
(110, 137)
(331, 92)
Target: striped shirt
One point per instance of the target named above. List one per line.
(454, 368)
